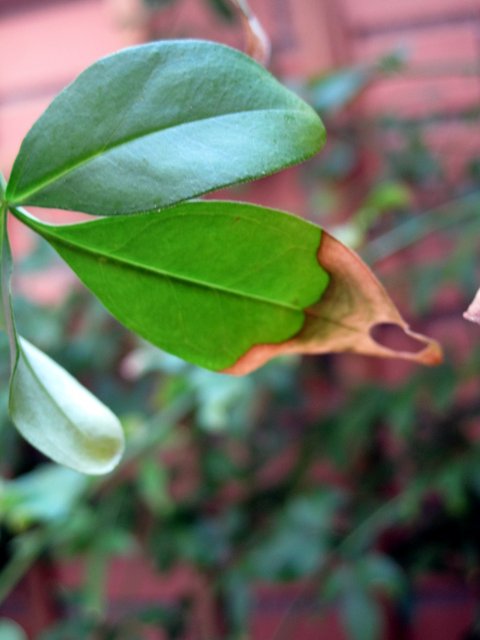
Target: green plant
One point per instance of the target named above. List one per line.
(370, 474)
(224, 285)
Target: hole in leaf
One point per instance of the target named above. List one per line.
(394, 337)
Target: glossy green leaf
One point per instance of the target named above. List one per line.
(161, 123)
(205, 280)
(61, 418)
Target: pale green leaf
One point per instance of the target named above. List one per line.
(161, 123)
(61, 418)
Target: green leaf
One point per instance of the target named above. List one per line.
(61, 418)
(160, 123)
(229, 286)
(205, 280)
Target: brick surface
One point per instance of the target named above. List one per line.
(440, 76)
(45, 47)
(16, 118)
(51, 44)
(374, 13)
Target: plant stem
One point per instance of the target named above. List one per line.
(7, 320)
(29, 548)
(4, 266)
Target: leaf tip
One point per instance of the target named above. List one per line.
(431, 354)
(60, 417)
(346, 318)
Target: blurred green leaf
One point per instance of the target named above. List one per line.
(218, 397)
(389, 195)
(157, 4)
(154, 485)
(78, 628)
(379, 572)
(333, 92)
(297, 545)
(361, 615)
(415, 162)
(46, 494)
(222, 8)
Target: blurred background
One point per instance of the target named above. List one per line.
(326, 498)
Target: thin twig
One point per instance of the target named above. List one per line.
(257, 42)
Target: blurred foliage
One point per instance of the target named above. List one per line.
(349, 478)
(222, 9)
(330, 93)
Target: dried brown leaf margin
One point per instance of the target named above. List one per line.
(354, 303)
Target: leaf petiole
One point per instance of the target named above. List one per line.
(6, 309)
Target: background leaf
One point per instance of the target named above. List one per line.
(361, 615)
(205, 280)
(60, 417)
(46, 494)
(160, 123)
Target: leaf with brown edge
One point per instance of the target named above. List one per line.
(228, 285)
(353, 305)
(473, 311)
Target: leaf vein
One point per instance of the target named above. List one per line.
(53, 176)
(104, 257)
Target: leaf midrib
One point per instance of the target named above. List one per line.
(53, 238)
(56, 175)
